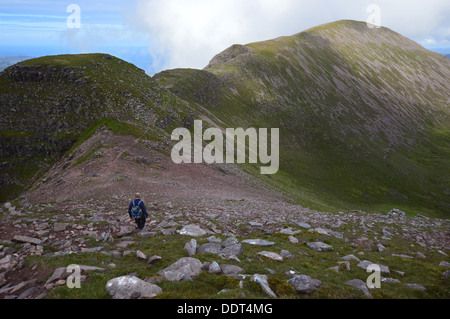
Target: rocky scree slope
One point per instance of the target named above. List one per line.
(218, 249)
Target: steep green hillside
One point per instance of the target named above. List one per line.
(47, 104)
(363, 114)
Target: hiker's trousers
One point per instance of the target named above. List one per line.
(140, 222)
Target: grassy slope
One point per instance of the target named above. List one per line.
(363, 115)
(208, 286)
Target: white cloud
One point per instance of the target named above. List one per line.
(188, 33)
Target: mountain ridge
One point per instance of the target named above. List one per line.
(359, 88)
(360, 112)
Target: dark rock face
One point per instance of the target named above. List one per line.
(44, 109)
(30, 73)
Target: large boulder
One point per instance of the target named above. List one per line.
(183, 269)
(304, 284)
(191, 247)
(231, 270)
(131, 287)
(270, 255)
(396, 213)
(225, 249)
(59, 227)
(125, 231)
(193, 231)
(361, 285)
(8, 262)
(210, 248)
(258, 242)
(319, 246)
(25, 239)
(61, 273)
(262, 281)
(365, 264)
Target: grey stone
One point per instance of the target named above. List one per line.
(304, 284)
(116, 254)
(145, 235)
(25, 239)
(444, 264)
(361, 285)
(351, 257)
(125, 231)
(210, 248)
(141, 255)
(255, 224)
(214, 239)
(153, 259)
(59, 227)
(293, 240)
(191, 247)
(344, 265)
(258, 242)
(396, 213)
(129, 287)
(214, 268)
(232, 250)
(42, 233)
(270, 255)
(3, 280)
(124, 244)
(262, 281)
(193, 231)
(289, 231)
(61, 273)
(91, 250)
(365, 263)
(304, 225)
(328, 232)
(286, 254)
(168, 231)
(230, 241)
(9, 250)
(27, 293)
(7, 262)
(58, 274)
(188, 267)
(319, 246)
(231, 270)
(390, 281)
(176, 276)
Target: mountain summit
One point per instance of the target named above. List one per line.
(363, 113)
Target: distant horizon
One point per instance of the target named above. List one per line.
(158, 35)
(142, 60)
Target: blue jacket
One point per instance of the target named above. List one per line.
(141, 205)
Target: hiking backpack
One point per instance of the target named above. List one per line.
(136, 210)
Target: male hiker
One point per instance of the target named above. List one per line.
(138, 212)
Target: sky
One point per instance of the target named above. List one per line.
(162, 34)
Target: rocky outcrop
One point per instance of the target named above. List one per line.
(131, 287)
